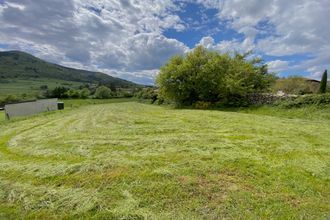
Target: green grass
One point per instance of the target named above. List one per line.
(31, 87)
(309, 112)
(74, 103)
(2, 116)
(127, 160)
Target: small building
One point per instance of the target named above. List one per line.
(30, 108)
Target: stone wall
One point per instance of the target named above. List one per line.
(267, 98)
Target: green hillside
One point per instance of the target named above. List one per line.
(31, 88)
(297, 85)
(22, 70)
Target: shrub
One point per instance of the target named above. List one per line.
(58, 92)
(315, 99)
(84, 93)
(43, 87)
(160, 100)
(10, 99)
(148, 93)
(202, 105)
(103, 92)
(24, 96)
(72, 93)
(127, 95)
(208, 76)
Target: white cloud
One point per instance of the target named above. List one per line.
(291, 27)
(15, 5)
(278, 65)
(207, 42)
(121, 36)
(125, 37)
(227, 46)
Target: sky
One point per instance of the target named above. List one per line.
(132, 39)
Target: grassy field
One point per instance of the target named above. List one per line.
(31, 87)
(307, 112)
(2, 116)
(127, 160)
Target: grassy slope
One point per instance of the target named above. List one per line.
(17, 64)
(31, 87)
(136, 160)
(306, 112)
(19, 71)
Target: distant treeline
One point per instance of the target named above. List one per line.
(83, 92)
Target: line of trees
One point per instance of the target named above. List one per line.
(83, 92)
(209, 76)
(100, 92)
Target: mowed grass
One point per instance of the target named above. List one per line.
(2, 116)
(128, 160)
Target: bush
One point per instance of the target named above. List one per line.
(43, 87)
(124, 93)
(315, 99)
(9, 99)
(202, 105)
(58, 92)
(84, 93)
(72, 93)
(103, 92)
(208, 76)
(148, 93)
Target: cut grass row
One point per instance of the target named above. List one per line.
(131, 160)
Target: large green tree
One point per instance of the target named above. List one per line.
(324, 81)
(103, 92)
(209, 76)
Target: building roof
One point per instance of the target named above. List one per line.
(27, 101)
(313, 80)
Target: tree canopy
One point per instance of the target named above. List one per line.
(103, 92)
(210, 76)
(324, 81)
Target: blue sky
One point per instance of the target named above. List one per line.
(201, 22)
(131, 39)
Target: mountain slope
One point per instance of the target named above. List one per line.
(21, 65)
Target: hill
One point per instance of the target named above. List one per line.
(297, 85)
(21, 65)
